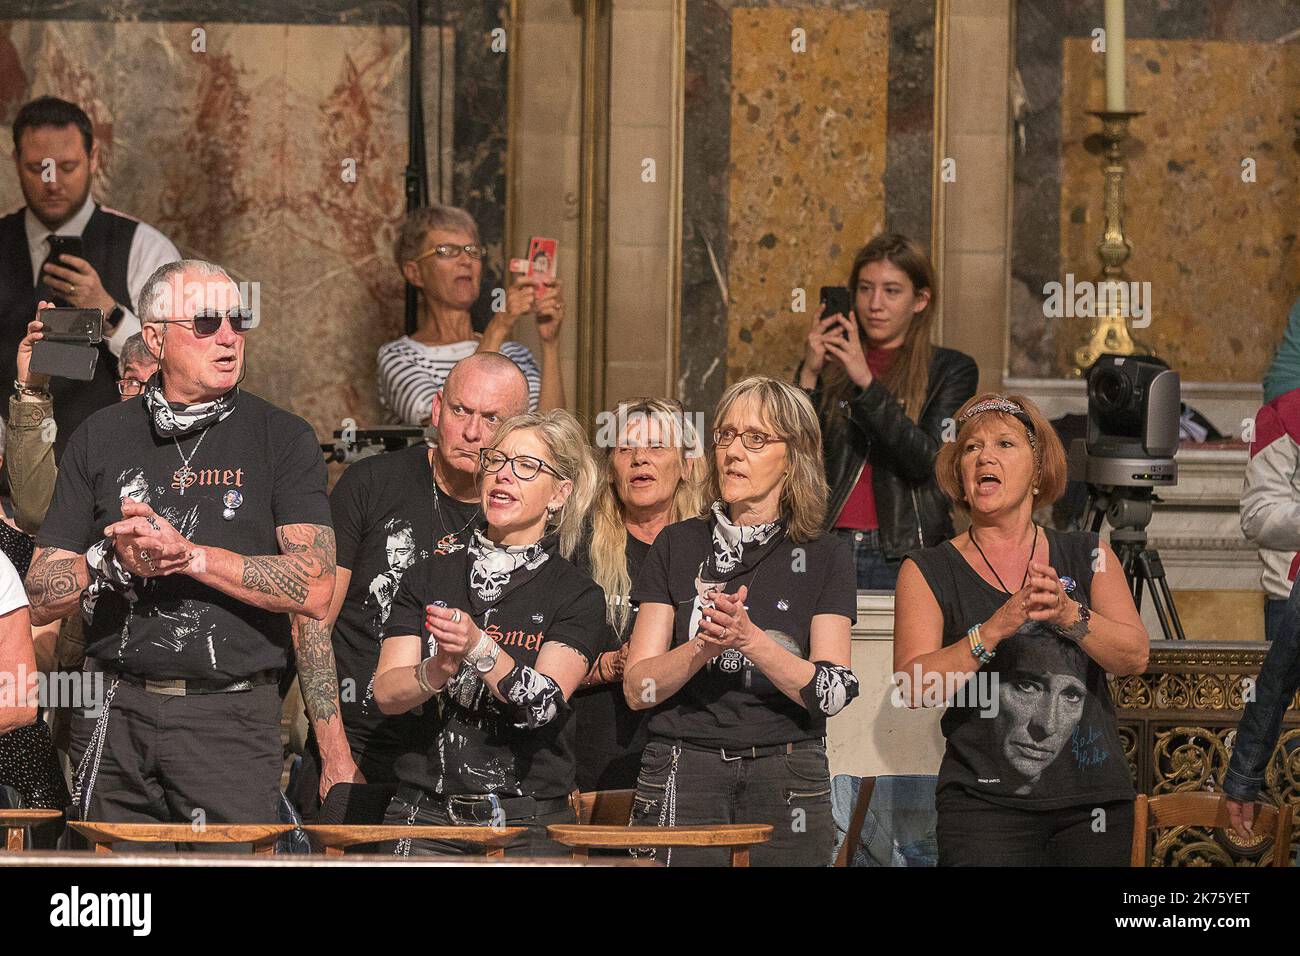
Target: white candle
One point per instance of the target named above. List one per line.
(1115, 55)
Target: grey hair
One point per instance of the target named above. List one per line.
(157, 285)
(134, 352)
(420, 222)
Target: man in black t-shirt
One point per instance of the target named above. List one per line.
(390, 511)
(187, 524)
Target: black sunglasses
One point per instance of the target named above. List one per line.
(208, 321)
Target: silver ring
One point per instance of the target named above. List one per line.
(72, 289)
(455, 617)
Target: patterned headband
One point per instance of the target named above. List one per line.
(1006, 406)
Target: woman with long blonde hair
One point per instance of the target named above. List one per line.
(491, 637)
(653, 477)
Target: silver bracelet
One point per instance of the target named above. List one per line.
(422, 678)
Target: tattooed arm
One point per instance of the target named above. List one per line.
(318, 679)
(54, 584)
(298, 580)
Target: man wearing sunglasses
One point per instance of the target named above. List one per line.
(191, 630)
(429, 493)
(440, 254)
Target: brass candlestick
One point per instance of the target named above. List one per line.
(1110, 332)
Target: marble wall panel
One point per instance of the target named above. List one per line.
(808, 147)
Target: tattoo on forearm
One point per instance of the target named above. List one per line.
(317, 676)
(308, 557)
(50, 580)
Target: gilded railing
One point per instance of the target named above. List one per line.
(1178, 722)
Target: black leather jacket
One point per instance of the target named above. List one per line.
(912, 511)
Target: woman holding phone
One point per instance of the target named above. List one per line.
(883, 393)
(488, 640)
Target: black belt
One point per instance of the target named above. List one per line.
(481, 808)
(738, 753)
(183, 688)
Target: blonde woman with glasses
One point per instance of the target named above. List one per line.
(653, 477)
(741, 647)
(490, 638)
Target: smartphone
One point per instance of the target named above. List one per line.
(65, 245)
(836, 300)
(541, 257)
(76, 326)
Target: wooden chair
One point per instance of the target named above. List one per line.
(333, 838)
(16, 822)
(1200, 808)
(856, 820)
(102, 836)
(739, 837)
(605, 807)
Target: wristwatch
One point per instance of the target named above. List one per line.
(115, 315)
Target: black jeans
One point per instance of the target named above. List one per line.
(790, 791)
(412, 808)
(974, 832)
(214, 758)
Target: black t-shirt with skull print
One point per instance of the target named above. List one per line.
(468, 743)
(385, 520)
(258, 469)
(731, 703)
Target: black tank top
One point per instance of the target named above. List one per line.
(1037, 729)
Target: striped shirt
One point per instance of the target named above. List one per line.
(410, 372)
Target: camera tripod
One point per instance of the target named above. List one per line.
(1129, 512)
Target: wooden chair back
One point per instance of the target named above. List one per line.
(605, 807)
(1200, 808)
(102, 836)
(15, 824)
(739, 837)
(334, 838)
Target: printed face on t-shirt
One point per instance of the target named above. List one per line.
(1040, 701)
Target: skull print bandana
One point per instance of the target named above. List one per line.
(495, 570)
(175, 421)
(737, 549)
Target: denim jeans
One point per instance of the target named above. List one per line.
(1274, 614)
(1261, 722)
(876, 571)
(898, 829)
(791, 791)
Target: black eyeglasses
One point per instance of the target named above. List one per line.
(449, 250)
(525, 467)
(754, 441)
(127, 387)
(208, 321)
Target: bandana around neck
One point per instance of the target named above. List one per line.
(495, 570)
(172, 420)
(737, 549)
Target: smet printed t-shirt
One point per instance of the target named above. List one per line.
(469, 744)
(264, 461)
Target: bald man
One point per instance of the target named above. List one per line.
(390, 511)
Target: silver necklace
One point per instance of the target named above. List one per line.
(446, 543)
(183, 476)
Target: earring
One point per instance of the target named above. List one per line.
(1035, 491)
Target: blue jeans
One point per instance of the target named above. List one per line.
(1261, 722)
(876, 571)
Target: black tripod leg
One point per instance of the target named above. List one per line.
(1150, 568)
(1173, 610)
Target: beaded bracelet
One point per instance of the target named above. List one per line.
(977, 648)
(422, 679)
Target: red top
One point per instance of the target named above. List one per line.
(859, 511)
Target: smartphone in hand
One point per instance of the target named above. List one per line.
(836, 300)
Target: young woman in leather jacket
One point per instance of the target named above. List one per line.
(885, 396)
